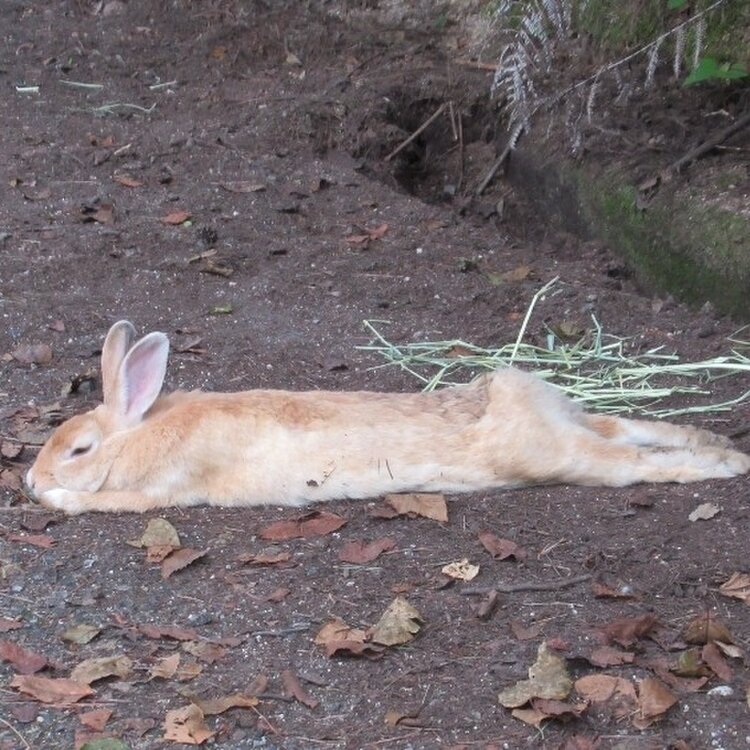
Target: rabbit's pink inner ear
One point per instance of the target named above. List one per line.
(115, 348)
(142, 375)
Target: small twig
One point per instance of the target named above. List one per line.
(460, 152)
(709, 144)
(511, 588)
(495, 167)
(16, 732)
(439, 111)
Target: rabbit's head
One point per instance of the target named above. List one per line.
(80, 453)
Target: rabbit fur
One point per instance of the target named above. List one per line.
(139, 450)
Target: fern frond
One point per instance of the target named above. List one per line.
(679, 51)
(653, 61)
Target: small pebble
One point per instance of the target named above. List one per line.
(723, 691)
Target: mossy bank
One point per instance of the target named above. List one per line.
(674, 239)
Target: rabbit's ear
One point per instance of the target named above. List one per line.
(141, 377)
(115, 348)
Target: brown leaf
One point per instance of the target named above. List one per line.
(501, 549)
(127, 181)
(265, 558)
(166, 667)
(175, 632)
(278, 595)
(33, 354)
(627, 630)
(36, 540)
(81, 634)
(214, 706)
(738, 587)
(617, 692)
(714, 658)
(158, 553)
(7, 624)
(359, 552)
(293, 687)
(558, 709)
(395, 718)
(50, 690)
(607, 656)
(707, 628)
(24, 661)
(180, 559)
(186, 725)
(175, 217)
(188, 670)
(95, 720)
(397, 625)
(429, 505)
(461, 570)
(317, 523)
(336, 636)
(338, 630)
(487, 605)
(205, 651)
(11, 480)
(603, 590)
(91, 670)
(532, 716)
(548, 678)
(654, 699)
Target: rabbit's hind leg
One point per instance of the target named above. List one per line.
(594, 461)
(652, 433)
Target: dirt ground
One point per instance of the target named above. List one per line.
(270, 125)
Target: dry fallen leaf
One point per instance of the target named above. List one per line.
(461, 570)
(175, 218)
(35, 540)
(166, 667)
(398, 624)
(186, 725)
(336, 636)
(214, 706)
(707, 628)
(316, 523)
(293, 687)
(429, 505)
(51, 690)
(617, 692)
(654, 699)
(265, 558)
(180, 559)
(175, 632)
(7, 624)
(704, 512)
(711, 655)
(627, 630)
(81, 634)
(738, 587)
(501, 549)
(159, 533)
(90, 670)
(607, 656)
(205, 651)
(33, 354)
(23, 660)
(548, 678)
(127, 181)
(359, 552)
(95, 720)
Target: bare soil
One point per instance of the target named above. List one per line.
(270, 125)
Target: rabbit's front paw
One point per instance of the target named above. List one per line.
(65, 500)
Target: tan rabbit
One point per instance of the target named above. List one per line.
(138, 451)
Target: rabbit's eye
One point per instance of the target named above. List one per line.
(80, 450)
